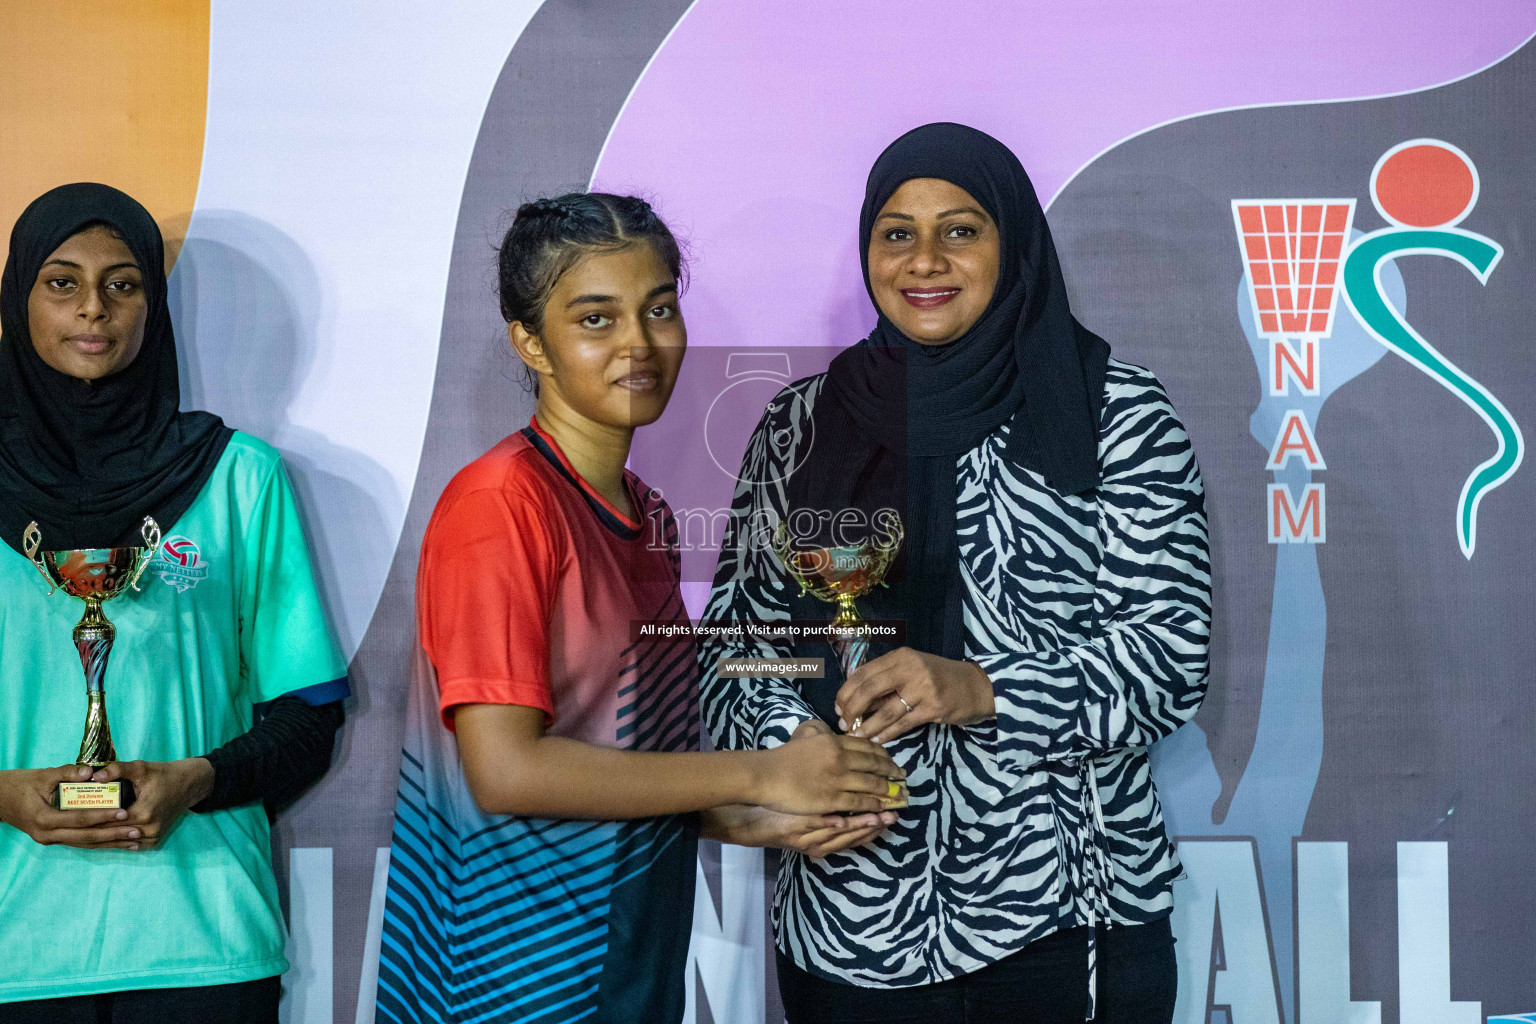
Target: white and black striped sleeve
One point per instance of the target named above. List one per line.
(1142, 673)
(752, 586)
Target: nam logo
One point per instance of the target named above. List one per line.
(180, 563)
(1299, 256)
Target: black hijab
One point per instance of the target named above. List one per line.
(894, 415)
(88, 461)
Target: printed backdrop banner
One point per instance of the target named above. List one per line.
(1310, 219)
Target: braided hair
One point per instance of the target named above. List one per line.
(549, 236)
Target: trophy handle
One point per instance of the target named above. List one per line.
(783, 547)
(896, 533)
(780, 540)
(31, 543)
(150, 531)
(886, 553)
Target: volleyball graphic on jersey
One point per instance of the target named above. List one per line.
(180, 563)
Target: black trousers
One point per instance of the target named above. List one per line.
(1046, 982)
(249, 1002)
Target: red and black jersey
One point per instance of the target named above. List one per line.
(528, 583)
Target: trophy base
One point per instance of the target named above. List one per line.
(93, 796)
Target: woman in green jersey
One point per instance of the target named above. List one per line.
(148, 913)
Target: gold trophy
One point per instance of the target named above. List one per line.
(839, 576)
(94, 575)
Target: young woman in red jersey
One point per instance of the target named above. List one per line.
(544, 850)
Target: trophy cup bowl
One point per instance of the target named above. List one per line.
(94, 576)
(839, 575)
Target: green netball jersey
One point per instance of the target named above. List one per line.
(228, 616)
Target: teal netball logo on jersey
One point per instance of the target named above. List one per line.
(180, 563)
(1423, 188)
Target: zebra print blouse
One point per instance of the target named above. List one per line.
(1090, 614)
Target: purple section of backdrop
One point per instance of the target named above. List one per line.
(756, 123)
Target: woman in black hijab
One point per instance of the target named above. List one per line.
(94, 439)
(143, 913)
(1054, 585)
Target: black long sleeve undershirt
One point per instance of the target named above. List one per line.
(288, 748)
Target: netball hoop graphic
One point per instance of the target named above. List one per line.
(1291, 251)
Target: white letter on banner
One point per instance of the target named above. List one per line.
(308, 983)
(1424, 938)
(729, 948)
(1322, 938)
(368, 981)
(1223, 948)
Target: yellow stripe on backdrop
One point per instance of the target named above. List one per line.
(92, 91)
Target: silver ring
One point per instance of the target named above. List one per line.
(904, 703)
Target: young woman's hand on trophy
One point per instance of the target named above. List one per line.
(813, 835)
(163, 791)
(26, 804)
